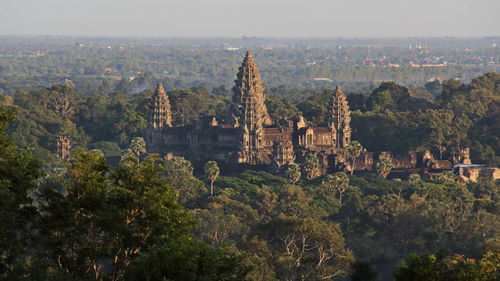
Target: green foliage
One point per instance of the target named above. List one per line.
(110, 149)
(104, 215)
(188, 259)
(19, 174)
(336, 183)
(362, 272)
(293, 173)
(443, 267)
(305, 248)
(354, 150)
(384, 166)
(311, 166)
(138, 146)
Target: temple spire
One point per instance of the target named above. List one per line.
(249, 110)
(161, 114)
(248, 98)
(160, 118)
(339, 119)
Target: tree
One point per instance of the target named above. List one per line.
(441, 266)
(354, 150)
(338, 182)
(19, 176)
(305, 249)
(72, 235)
(293, 173)
(62, 100)
(138, 146)
(211, 173)
(384, 166)
(102, 220)
(187, 106)
(434, 87)
(179, 173)
(143, 212)
(311, 165)
(188, 259)
(362, 272)
(447, 130)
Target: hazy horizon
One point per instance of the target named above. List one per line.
(258, 18)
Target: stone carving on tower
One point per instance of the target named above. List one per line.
(339, 119)
(249, 110)
(159, 119)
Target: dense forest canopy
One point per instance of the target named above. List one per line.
(113, 212)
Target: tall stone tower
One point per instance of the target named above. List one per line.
(339, 119)
(249, 110)
(159, 119)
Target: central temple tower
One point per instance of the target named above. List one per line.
(249, 110)
(339, 119)
(160, 118)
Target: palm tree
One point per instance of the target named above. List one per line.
(384, 166)
(354, 150)
(311, 166)
(138, 146)
(211, 172)
(338, 182)
(293, 173)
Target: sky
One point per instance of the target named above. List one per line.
(261, 18)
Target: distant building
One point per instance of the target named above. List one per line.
(322, 79)
(248, 137)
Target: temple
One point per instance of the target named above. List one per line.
(248, 137)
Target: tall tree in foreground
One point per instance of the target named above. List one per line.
(188, 259)
(305, 249)
(211, 173)
(102, 220)
(19, 172)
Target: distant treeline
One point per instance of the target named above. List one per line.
(352, 63)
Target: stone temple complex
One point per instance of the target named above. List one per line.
(248, 138)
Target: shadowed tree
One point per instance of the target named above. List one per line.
(362, 272)
(211, 172)
(293, 173)
(311, 166)
(19, 173)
